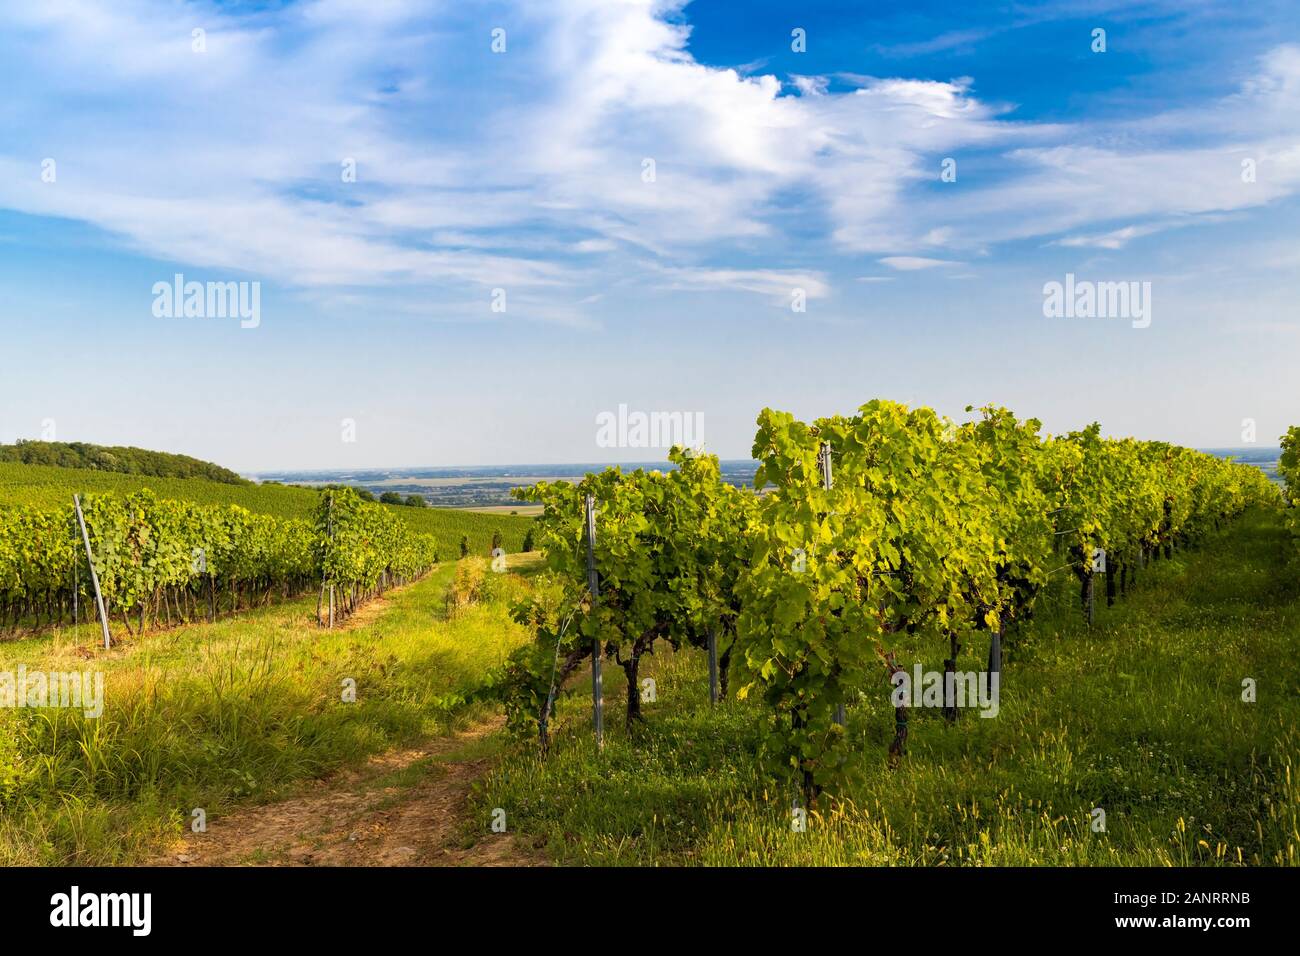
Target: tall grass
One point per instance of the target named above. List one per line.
(218, 714)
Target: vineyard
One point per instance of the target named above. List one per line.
(51, 488)
(168, 562)
(682, 434)
(1289, 469)
(890, 525)
(753, 638)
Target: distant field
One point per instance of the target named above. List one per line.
(403, 483)
(521, 508)
(45, 486)
(479, 487)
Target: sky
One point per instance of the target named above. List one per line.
(474, 228)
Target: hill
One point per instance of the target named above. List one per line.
(47, 486)
(116, 458)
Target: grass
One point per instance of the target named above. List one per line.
(243, 710)
(50, 487)
(1141, 716)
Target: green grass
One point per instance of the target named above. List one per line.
(51, 487)
(1142, 716)
(216, 715)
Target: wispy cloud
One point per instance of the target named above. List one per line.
(1115, 239)
(951, 40)
(914, 263)
(597, 134)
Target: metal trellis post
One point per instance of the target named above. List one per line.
(593, 584)
(94, 577)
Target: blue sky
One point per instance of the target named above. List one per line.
(524, 170)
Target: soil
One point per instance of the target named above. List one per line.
(407, 807)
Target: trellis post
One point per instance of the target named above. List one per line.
(76, 583)
(94, 577)
(713, 665)
(593, 584)
(824, 462)
(329, 528)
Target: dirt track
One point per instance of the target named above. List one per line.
(403, 808)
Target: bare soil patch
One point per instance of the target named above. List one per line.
(407, 807)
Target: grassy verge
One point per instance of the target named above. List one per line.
(1142, 716)
(215, 715)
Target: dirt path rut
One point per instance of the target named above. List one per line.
(403, 808)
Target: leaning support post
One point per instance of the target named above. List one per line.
(94, 577)
(76, 586)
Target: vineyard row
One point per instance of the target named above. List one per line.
(876, 532)
(161, 562)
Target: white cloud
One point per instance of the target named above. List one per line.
(1115, 239)
(477, 170)
(913, 263)
(776, 284)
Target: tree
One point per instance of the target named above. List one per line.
(416, 501)
(365, 494)
(392, 498)
(131, 461)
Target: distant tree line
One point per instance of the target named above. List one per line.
(127, 461)
(409, 501)
(387, 498)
